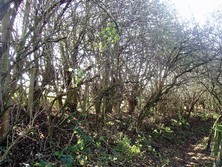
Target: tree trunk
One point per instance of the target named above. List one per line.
(7, 17)
(151, 102)
(132, 103)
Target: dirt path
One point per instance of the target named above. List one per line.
(188, 146)
(196, 154)
(194, 149)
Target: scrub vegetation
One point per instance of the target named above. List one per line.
(108, 83)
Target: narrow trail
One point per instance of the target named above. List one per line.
(188, 146)
(194, 149)
(196, 154)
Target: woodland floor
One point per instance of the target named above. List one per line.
(169, 143)
(191, 149)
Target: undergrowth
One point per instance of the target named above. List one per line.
(82, 145)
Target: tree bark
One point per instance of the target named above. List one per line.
(7, 19)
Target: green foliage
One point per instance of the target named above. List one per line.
(177, 131)
(43, 163)
(65, 158)
(3, 149)
(207, 115)
(216, 143)
(102, 153)
(109, 35)
(180, 122)
(146, 143)
(126, 148)
(79, 76)
(165, 132)
(77, 153)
